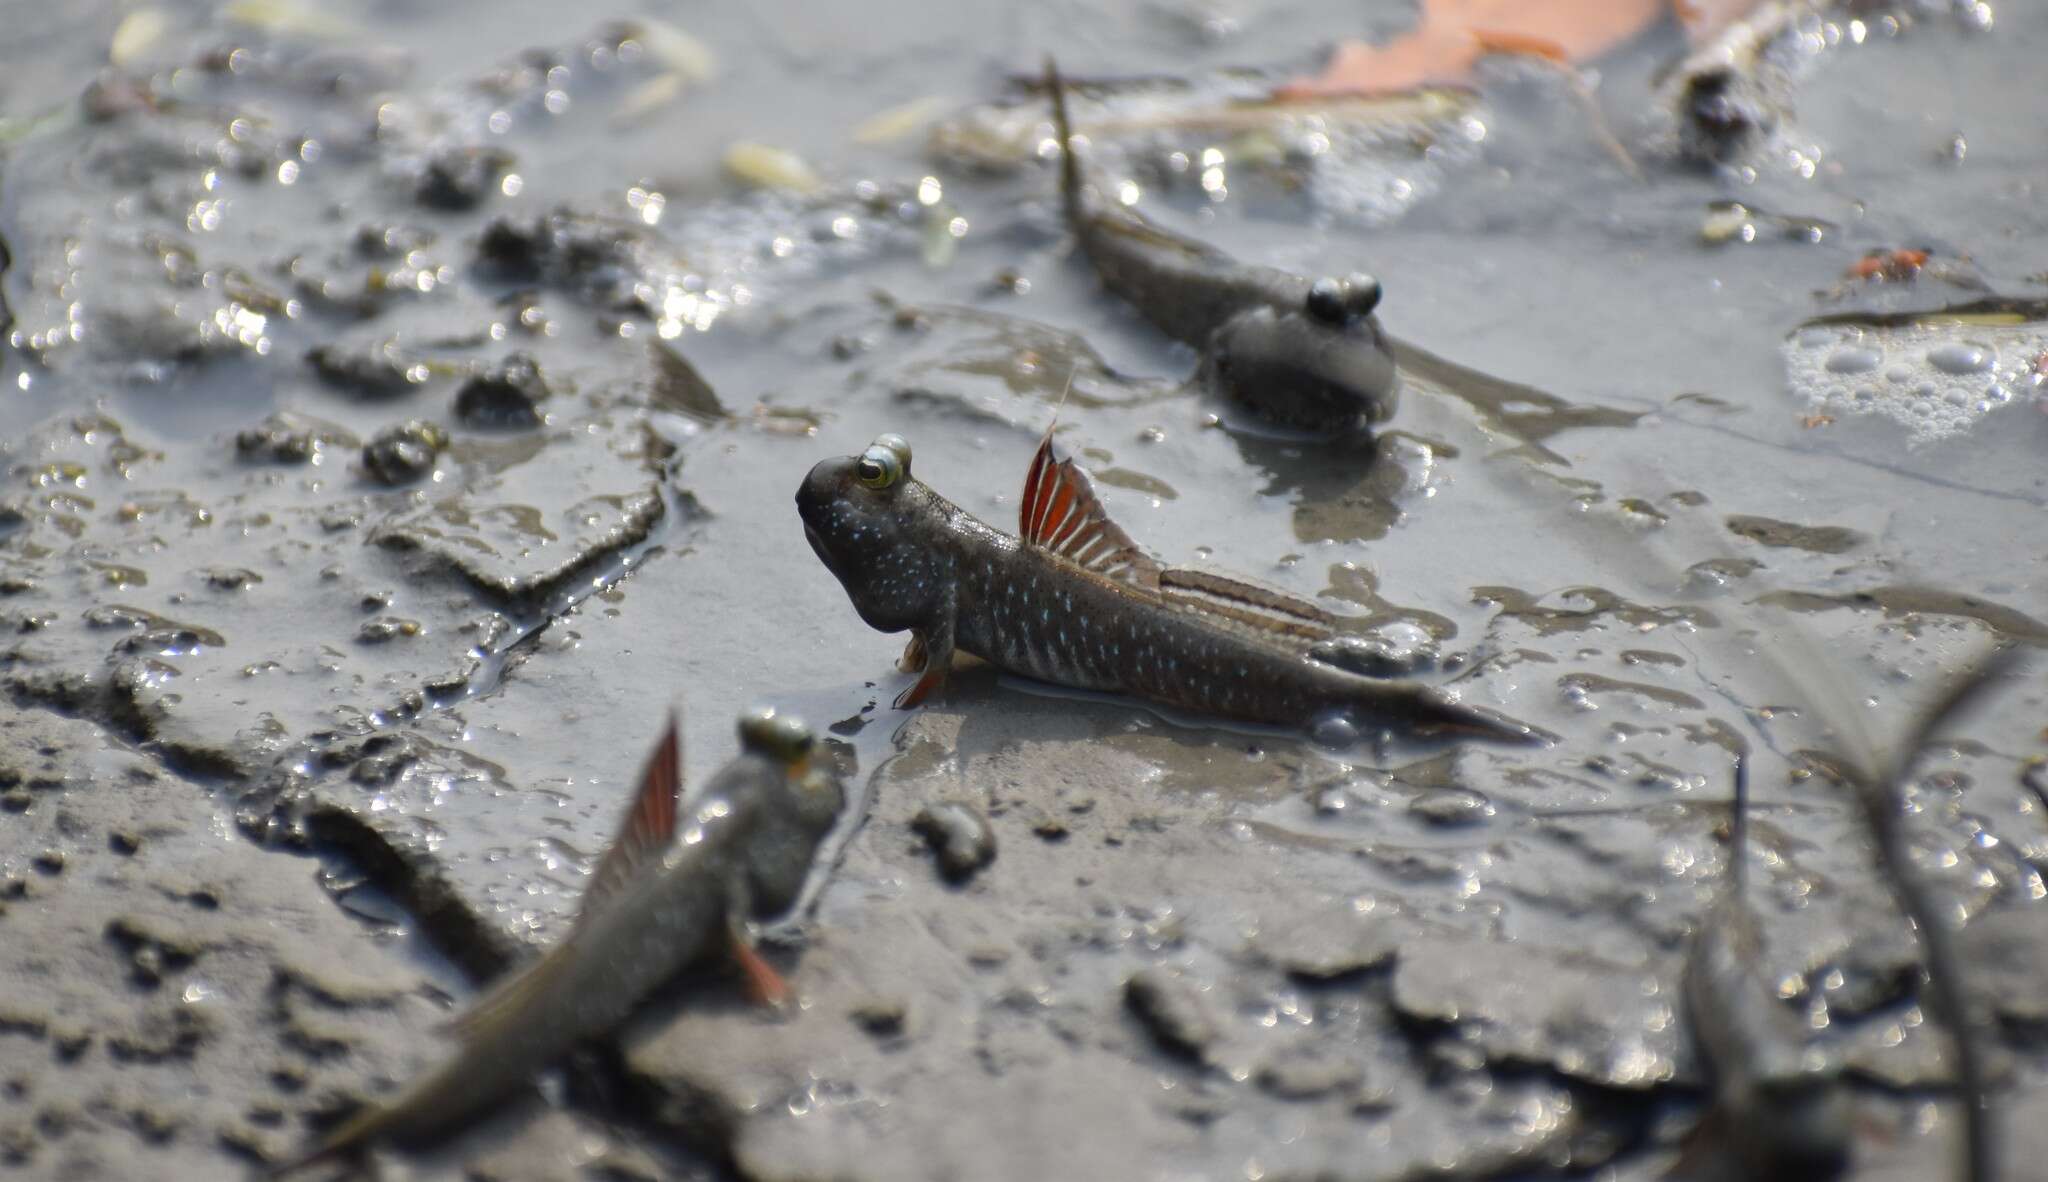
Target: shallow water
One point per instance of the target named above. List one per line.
(1610, 469)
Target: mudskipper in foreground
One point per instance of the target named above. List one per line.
(1301, 353)
(1074, 601)
(686, 876)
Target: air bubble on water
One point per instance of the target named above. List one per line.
(1854, 359)
(1960, 357)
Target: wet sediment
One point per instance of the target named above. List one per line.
(306, 741)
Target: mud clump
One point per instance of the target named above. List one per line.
(1820, 539)
(1308, 1074)
(1172, 1011)
(1328, 943)
(566, 248)
(505, 397)
(1449, 808)
(462, 178)
(405, 453)
(381, 370)
(290, 439)
(959, 837)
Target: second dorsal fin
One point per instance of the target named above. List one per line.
(1250, 603)
(649, 827)
(1061, 513)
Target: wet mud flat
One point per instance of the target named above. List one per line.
(389, 435)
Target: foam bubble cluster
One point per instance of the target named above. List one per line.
(1937, 376)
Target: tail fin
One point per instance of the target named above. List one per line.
(1063, 127)
(346, 1140)
(1434, 713)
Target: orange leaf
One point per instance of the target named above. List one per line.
(1454, 34)
(1705, 19)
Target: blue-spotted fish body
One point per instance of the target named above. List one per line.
(1780, 1112)
(1301, 353)
(1073, 601)
(686, 877)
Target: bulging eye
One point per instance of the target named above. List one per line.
(1338, 302)
(1326, 301)
(783, 737)
(886, 461)
(1361, 293)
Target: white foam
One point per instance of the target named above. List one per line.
(1938, 379)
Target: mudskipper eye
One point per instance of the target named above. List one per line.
(1326, 301)
(886, 461)
(1361, 294)
(779, 736)
(1338, 302)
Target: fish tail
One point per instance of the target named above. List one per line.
(1435, 713)
(347, 1139)
(1063, 127)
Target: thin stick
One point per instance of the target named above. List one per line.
(1738, 830)
(1881, 792)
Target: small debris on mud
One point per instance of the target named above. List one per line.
(882, 1017)
(1733, 221)
(1889, 266)
(1173, 1011)
(386, 628)
(405, 453)
(960, 839)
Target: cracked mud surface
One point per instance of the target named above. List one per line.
(358, 529)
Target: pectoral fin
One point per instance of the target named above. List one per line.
(934, 678)
(912, 660)
(935, 646)
(765, 986)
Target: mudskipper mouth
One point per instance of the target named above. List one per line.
(817, 545)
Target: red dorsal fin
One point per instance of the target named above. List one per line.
(650, 823)
(1060, 513)
(649, 827)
